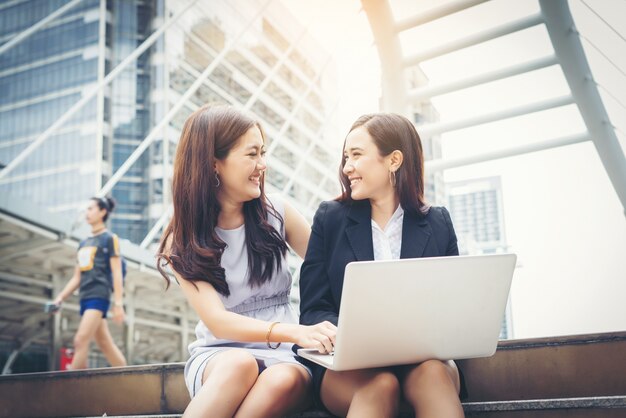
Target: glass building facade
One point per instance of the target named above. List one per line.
(264, 62)
(40, 78)
(477, 211)
(130, 111)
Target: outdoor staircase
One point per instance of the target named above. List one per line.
(573, 376)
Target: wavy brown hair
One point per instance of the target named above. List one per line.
(392, 132)
(190, 243)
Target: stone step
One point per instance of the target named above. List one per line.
(601, 406)
(607, 406)
(575, 366)
(561, 375)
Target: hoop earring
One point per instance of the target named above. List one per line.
(392, 178)
(217, 181)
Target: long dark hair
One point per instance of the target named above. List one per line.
(107, 203)
(392, 132)
(195, 251)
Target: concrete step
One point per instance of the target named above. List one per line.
(607, 406)
(575, 366)
(570, 376)
(601, 406)
(133, 390)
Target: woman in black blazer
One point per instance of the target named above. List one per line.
(381, 214)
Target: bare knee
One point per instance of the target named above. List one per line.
(234, 365)
(430, 373)
(283, 381)
(381, 392)
(385, 384)
(365, 392)
(432, 389)
(81, 341)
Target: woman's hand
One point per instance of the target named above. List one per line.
(319, 336)
(118, 314)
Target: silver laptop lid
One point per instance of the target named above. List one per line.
(410, 310)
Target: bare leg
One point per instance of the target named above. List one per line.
(432, 388)
(89, 323)
(279, 390)
(226, 380)
(105, 341)
(361, 393)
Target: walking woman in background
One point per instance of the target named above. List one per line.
(381, 215)
(98, 264)
(227, 244)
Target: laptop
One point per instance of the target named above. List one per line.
(410, 310)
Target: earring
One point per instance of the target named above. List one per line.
(392, 178)
(217, 181)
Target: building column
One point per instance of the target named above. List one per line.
(387, 41)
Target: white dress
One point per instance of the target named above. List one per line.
(269, 302)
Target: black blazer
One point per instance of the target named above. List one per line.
(341, 233)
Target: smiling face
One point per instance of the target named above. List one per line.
(366, 169)
(241, 172)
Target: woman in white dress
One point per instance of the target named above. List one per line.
(226, 244)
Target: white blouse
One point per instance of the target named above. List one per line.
(388, 242)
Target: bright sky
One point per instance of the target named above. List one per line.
(562, 215)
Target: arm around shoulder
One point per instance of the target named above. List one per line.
(297, 230)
